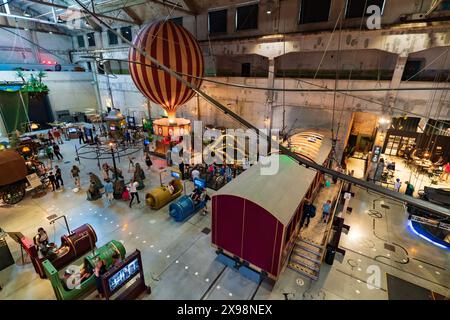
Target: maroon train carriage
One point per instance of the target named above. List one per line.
(256, 218)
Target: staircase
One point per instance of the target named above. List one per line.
(306, 258)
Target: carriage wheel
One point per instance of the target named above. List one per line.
(14, 194)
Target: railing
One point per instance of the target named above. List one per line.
(330, 225)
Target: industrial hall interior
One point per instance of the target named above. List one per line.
(224, 150)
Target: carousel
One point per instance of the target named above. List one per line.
(115, 122)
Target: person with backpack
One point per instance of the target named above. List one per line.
(309, 211)
(57, 152)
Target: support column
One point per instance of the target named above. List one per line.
(270, 99)
(383, 126)
(396, 80)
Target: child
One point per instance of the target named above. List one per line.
(109, 190)
(326, 209)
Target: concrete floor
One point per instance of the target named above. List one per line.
(180, 263)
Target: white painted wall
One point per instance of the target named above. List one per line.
(72, 91)
(16, 50)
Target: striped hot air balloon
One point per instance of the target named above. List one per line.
(173, 46)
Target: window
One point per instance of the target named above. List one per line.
(445, 5)
(80, 40)
(178, 21)
(217, 21)
(91, 39)
(356, 8)
(412, 68)
(112, 38)
(246, 70)
(314, 10)
(247, 17)
(126, 33)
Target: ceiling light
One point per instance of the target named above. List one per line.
(269, 11)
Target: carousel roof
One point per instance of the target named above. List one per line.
(114, 115)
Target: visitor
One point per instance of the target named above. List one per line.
(127, 136)
(133, 191)
(57, 152)
(195, 195)
(195, 174)
(204, 198)
(181, 166)
(211, 171)
(228, 173)
(130, 163)
(109, 190)
(409, 189)
(148, 161)
(105, 171)
(57, 135)
(41, 241)
(75, 172)
(446, 172)
(58, 176)
(171, 187)
(379, 171)
(397, 185)
(116, 259)
(80, 136)
(52, 179)
(49, 152)
(169, 157)
(100, 269)
(326, 209)
(309, 211)
(50, 136)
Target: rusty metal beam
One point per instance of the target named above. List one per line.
(132, 14)
(167, 3)
(174, 5)
(192, 6)
(84, 12)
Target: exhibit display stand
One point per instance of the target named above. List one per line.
(117, 282)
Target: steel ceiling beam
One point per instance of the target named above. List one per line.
(58, 6)
(191, 5)
(133, 15)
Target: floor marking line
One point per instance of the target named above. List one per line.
(433, 265)
(389, 265)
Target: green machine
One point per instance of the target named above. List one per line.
(63, 291)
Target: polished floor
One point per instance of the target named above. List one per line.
(180, 263)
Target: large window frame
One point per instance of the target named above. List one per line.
(80, 41)
(91, 39)
(240, 27)
(216, 11)
(348, 3)
(113, 39)
(301, 11)
(127, 33)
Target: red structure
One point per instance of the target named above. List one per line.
(255, 218)
(73, 246)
